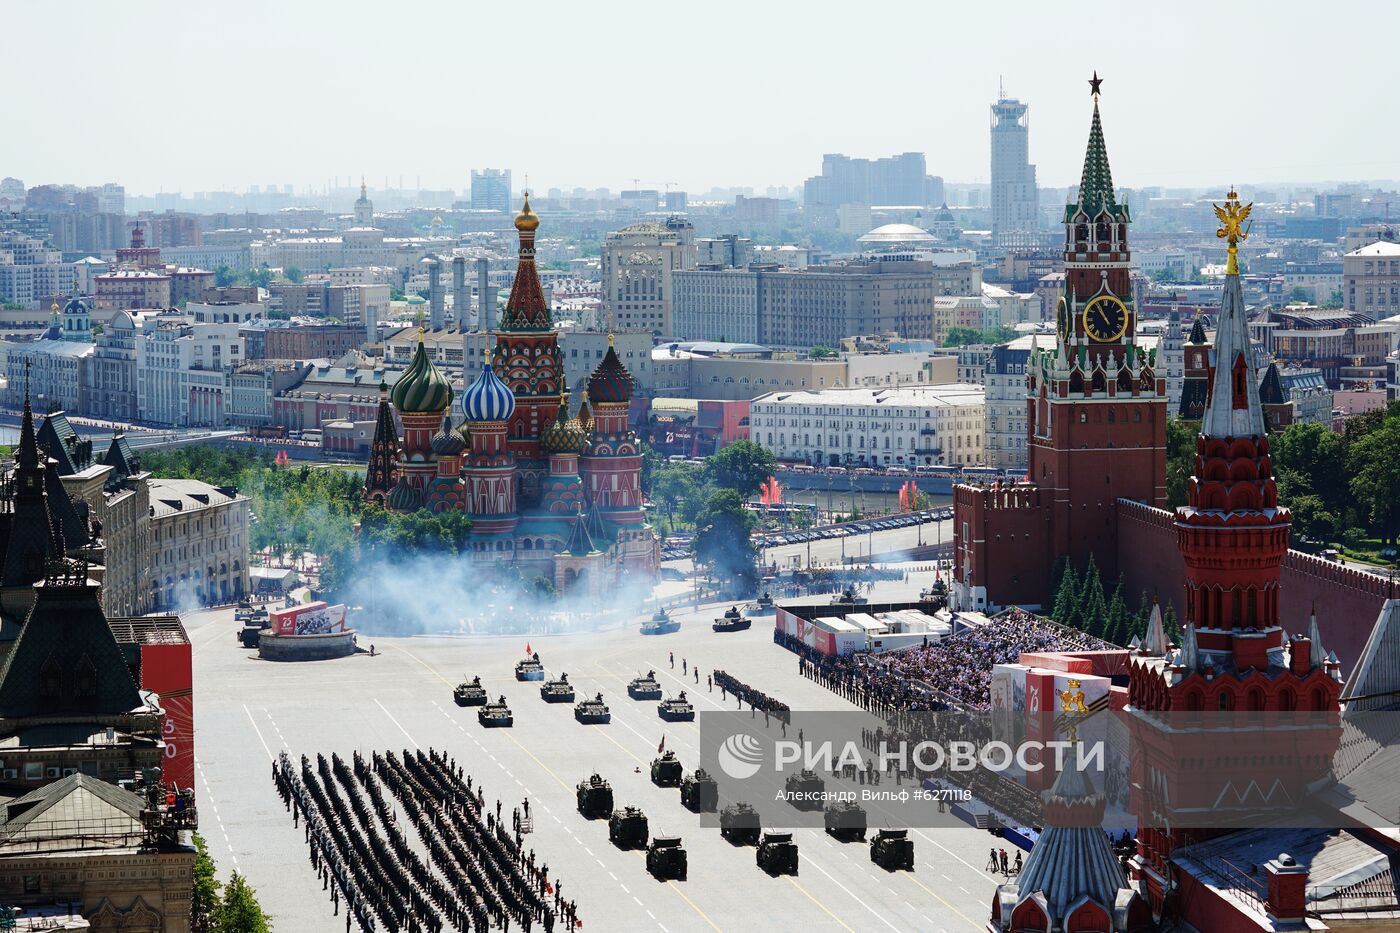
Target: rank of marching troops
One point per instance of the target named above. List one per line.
(484, 878)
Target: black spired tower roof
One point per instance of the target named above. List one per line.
(31, 540)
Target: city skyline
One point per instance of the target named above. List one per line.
(436, 122)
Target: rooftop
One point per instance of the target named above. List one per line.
(952, 394)
(169, 496)
(1378, 248)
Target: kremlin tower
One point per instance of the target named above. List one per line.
(556, 496)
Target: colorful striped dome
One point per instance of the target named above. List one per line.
(447, 442)
(488, 398)
(422, 388)
(563, 435)
(611, 382)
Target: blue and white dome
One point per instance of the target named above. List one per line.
(488, 398)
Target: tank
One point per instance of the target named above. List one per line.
(593, 712)
(666, 770)
(777, 854)
(732, 621)
(644, 688)
(470, 694)
(676, 709)
(627, 828)
(594, 797)
(845, 820)
(739, 823)
(892, 849)
(699, 792)
(249, 636)
(660, 624)
(495, 715)
(530, 668)
(666, 858)
(809, 789)
(848, 597)
(558, 691)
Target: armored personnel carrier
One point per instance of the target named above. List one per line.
(666, 858)
(732, 621)
(808, 788)
(666, 770)
(644, 688)
(739, 824)
(594, 797)
(470, 693)
(676, 709)
(558, 691)
(627, 828)
(495, 715)
(845, 820)
(777, 854)
(892, 849)
(530, 668)
(592, 712)
(699, 792)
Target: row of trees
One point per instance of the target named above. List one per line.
(1082, 602)
(964, 336)
(235, 910)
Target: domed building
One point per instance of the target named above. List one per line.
(897, 237)
(556, 495)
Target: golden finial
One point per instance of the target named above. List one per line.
(486, 355)
(526, 221)
(418, 317)
(1233, 228)
(53, 308)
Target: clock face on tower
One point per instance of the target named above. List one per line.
(1105, 319)
(1062, 319)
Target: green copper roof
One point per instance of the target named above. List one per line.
(422, 388)
(1096, 181)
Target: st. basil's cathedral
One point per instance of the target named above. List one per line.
(555, 494)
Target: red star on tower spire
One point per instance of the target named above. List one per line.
(1094, 83)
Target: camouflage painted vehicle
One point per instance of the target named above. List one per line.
(892, 849)
(595, 798)
(627, 828)
(777, 854)
(666, 858)
(808, 788)
(739, 823)
(846, 821)
(676, 709)
(644, 688)
(495, 715)
(558, 691)
(470, 693)
(666, 770)
(699, 792)
(593, 712)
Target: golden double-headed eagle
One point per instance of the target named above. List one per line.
(1232, 219)
(1072, 700)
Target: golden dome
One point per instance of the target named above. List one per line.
(526, 221)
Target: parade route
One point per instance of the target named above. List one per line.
(248, 710)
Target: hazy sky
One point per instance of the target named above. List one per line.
(200, 95)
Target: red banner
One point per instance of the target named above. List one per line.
(167, 670)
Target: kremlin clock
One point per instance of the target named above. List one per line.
(1105, 319)
(1062, 320)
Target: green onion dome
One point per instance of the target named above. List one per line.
(447, 442)
(563, 435)
(404, 498)
(422, 388)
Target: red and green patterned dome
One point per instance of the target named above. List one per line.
(611, 382)
(422, 388)
(563, 435)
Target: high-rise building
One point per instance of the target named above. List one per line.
(491, 189)
(901, 179)
(1014, 204)
(637, 264)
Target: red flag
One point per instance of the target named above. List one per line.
(662, 747)
(548, 888)
(579, 924)
(527, 649)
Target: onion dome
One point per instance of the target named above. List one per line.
(447, 442)
(611, 382)
(563, 435)
(75, 305)
(585, 417)
(526, 221)
(404, 498)
(488, 398)
(422, 388)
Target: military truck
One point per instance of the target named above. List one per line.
(732, 621)
(530, 668)
(595, 797)
(777, 854)
(892, 849)
(845, 821)
(495, 715)
(627, 828)
(666, 858)
(808, 789)
(558, 691)
(470, 694)
(699, 792)
(644, 688)
(666, 770)
(593, 712)
(676, 709)
(739, 823)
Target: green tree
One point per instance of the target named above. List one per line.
(1066, 597)
(1170, 625)
(1310, 460)
(996, 335)
(651, 462)
(294, 275)
(1301, 294)
(240, 911)
(261, 276)
(742, 466)
(1092, 606)
(1117, 627)
(224, 276)
(961, 336)
(822, 353)
(1373, 463)
(1181, 460)
(672, 484)
(723, 541)
(204, 902)
(1311, 519)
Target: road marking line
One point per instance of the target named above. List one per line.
(703, 916)
(270, 756)
(399, 724)
(793, 881)
(941, 900)
(957, 856)
(852, 895)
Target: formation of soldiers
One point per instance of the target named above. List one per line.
(483, 877)
(757, 699)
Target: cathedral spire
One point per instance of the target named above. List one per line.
(1096, 181)
(526, 309)
(1233, 408)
